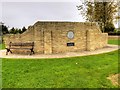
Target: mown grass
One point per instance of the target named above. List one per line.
(89, 72)
(115, 42)
(76, 72)
(2, 46)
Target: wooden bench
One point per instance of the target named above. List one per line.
(19, 46)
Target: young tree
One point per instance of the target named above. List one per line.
(101, 12)
(12, 31)
(20, 31)
(3, 29)
(16, 31)
(23, 29)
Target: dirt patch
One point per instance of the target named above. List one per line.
(115, 79)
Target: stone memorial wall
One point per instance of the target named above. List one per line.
(61, 37)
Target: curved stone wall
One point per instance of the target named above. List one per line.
(51, 37)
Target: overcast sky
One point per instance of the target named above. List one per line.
(19, 13)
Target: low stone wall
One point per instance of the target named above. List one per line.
(96, 39)
(27, 36)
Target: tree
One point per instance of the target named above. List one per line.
(23, 29)
(3, 29)
(20, 31)
(101, 12)
(12, 31)
(16, 31)
(109, 27)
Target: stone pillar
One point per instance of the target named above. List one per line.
(90, 40)
(47, 42)
(38, 39)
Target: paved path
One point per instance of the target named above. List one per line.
(109, 48)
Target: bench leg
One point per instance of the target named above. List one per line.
(8, 50)
(32, 52)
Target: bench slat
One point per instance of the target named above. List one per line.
(20, 48)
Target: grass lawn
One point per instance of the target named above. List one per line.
(116, 42)
(2, 46)
(76, 72)
(89, 72)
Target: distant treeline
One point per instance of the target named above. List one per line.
(4, 30)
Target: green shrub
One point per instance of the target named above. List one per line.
(109, 27)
